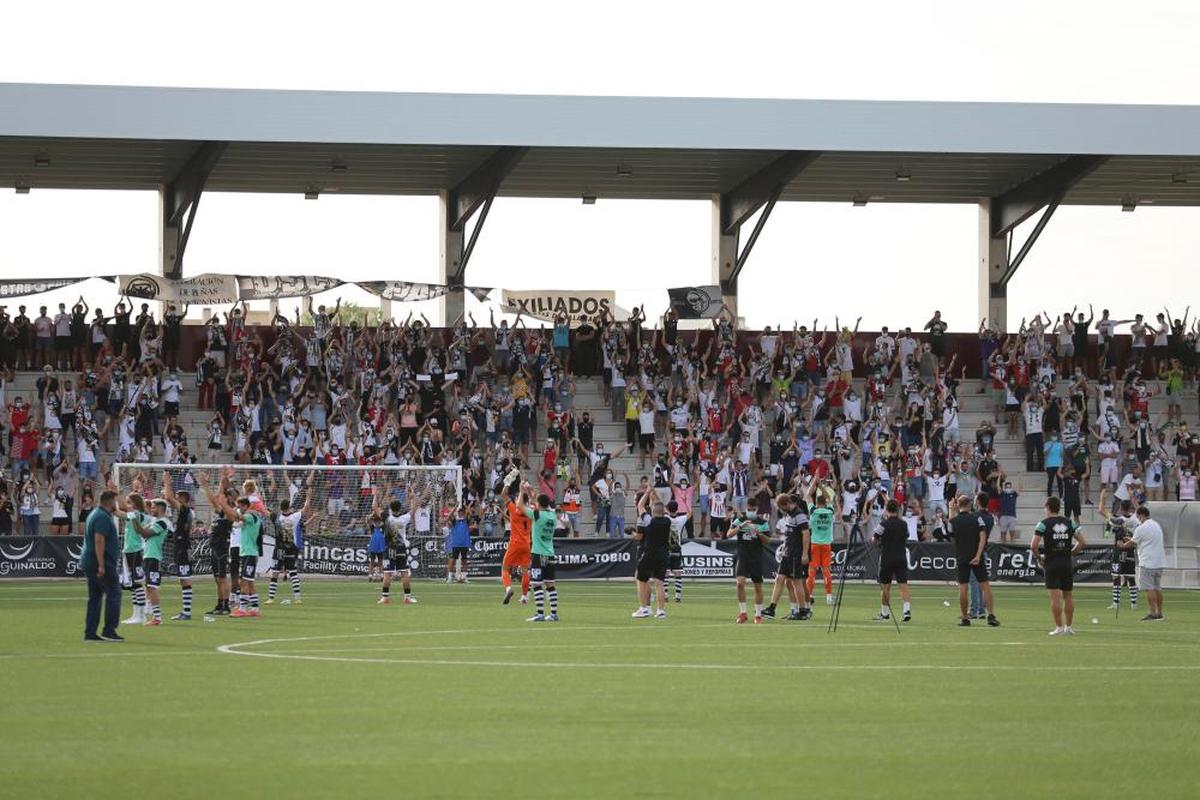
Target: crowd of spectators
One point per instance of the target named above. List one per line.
(718, 420)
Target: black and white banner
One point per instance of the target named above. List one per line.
(696, 302)
(208, 289)
(40, 556)
(259, 287)
(404, 291)
(18, 287)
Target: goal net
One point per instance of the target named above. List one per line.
(336, 526)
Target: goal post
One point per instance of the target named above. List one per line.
(336, 529)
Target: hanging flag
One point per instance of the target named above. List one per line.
(207, 289)
(273, 287)
(480, 293)
(18, 287)
(404, 291)
(696, 302)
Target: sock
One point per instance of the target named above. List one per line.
(139, 599)
(539, 600)
(254, 602)
(385, 591)
(1116, 592)
(742, 607)
(678, 587)
(524, 583)
(884, 611)
(1133, 594)
(242, 601)
(236, 598)
(554, 600)
(506, 578)
(272, 587)
(407, 591)
(187, 600)
(758, 609)
(156, 612)
(795, 608)
(294, 577)
(907, 607)
(772, 606)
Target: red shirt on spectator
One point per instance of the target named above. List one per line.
(20, 416)
(818, 468)
(1020, 374)
(835, 391)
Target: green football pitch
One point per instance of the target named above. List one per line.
(460, 697)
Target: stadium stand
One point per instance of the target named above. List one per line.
(597, 413)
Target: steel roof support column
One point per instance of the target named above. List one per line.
(451, 253)
(178, 201)
(993, 270)
(724, 256)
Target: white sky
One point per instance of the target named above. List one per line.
(890, 263)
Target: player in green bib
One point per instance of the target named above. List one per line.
(820, 521)
(135, 574)
(541, 571)
(251, 519)
(154, 528)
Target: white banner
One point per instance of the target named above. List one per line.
(547, 305)
(259, 287)
(207, 289)
(18, 287)
(404, 291)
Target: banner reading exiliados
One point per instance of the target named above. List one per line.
(548, 305)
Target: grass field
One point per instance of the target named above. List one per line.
(460, 697)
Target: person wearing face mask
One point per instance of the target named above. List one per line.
(1185, 483)
(1052, 451)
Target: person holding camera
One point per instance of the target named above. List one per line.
(1152, 560)
(893, 561)
(969, 531)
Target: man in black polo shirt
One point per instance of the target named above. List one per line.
(1061, 538)
(893, 561)
(970, 537)
(654, 532)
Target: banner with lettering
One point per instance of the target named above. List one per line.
(208, 289)
(549, 305)
(262, 287)
(20, 287)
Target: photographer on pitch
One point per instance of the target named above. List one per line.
(969, 532)
(1152, 560)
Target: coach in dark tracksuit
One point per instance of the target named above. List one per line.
(99, 563)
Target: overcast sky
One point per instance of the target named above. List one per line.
(891, 264)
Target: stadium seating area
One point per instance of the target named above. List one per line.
(712, 418)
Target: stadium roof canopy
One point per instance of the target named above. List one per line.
(1012, 159)
(108, 137)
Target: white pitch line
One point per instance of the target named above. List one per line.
(447, 662)
(237, 649)
(112, 654)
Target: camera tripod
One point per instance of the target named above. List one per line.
(855, 538)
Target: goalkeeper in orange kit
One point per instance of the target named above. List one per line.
(517, 556)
